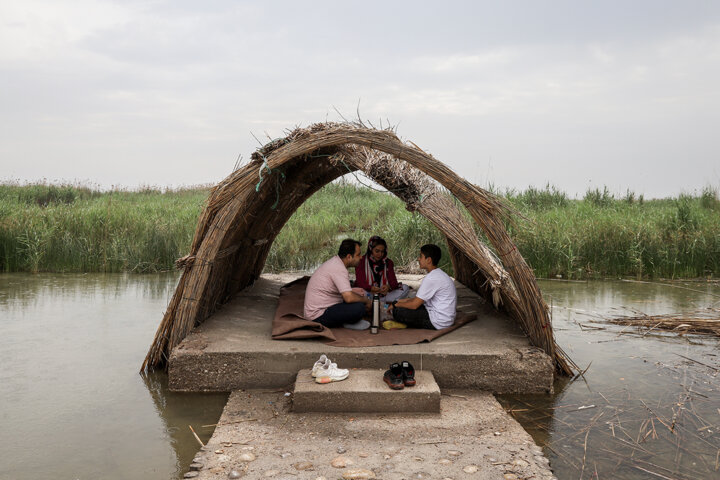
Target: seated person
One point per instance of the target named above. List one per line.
(329, 298)
(376, 273)
(434, 305)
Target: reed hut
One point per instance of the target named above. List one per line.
(246, 211)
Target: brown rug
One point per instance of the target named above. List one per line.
(289, 324)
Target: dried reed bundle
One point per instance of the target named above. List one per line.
(705, 321)
(247, 210)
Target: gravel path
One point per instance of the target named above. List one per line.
(258, 436)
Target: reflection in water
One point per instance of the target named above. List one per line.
(178, 410)
(72, 404)
(535, 412)
(645, 408)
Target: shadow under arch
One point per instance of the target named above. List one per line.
(246, 211)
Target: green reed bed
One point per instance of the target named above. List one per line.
(80, 230)
(77, 229)
(601, 236)
(341, 211)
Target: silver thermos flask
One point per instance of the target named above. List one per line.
(376, 314)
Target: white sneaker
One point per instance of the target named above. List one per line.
(321, 361)
(359, 325)
(330, 373)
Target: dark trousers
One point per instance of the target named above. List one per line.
(418, 318)
(341, 313)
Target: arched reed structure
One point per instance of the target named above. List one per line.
(246, 211)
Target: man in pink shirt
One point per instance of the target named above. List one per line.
(329, 298)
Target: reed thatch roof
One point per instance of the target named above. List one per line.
(246, 211)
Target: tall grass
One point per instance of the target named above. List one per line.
(341, 211)
(71, 229)
(603, 236)
(76, 229)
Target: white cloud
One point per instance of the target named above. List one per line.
(461, 63)
(35, 31)
(182, 84)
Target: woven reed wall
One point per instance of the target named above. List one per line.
(247, 210)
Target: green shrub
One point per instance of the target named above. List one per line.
(598, 198)
(709, 198)
(549, 197)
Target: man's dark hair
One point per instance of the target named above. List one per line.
(433, 252)
(347, 247)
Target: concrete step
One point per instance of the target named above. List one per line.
(365, 391)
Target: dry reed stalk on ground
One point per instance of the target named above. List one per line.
(667, 434)
(247, 210)
(705, 321)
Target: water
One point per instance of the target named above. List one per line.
(72, 404)
(643, 409)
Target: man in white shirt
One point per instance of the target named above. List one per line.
(434, 305)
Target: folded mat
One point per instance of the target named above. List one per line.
(289, 324)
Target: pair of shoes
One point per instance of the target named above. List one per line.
(326, 371)
(400, 375)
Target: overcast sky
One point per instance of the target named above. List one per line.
(167, 93)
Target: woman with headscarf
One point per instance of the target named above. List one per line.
(376, 273)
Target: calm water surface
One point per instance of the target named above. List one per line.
(72, 404)
(643, 409)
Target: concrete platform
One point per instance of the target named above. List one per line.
(259, 437)
(233, 350)
(365, 391)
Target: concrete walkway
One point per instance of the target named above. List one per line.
(233, 350)
(365, 391)
(258, 436)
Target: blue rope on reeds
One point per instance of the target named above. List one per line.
(278, 180)
(260, 172)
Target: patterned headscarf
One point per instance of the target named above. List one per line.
(376, 268)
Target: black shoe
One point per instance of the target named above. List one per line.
(394, 377)
(408, 374)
